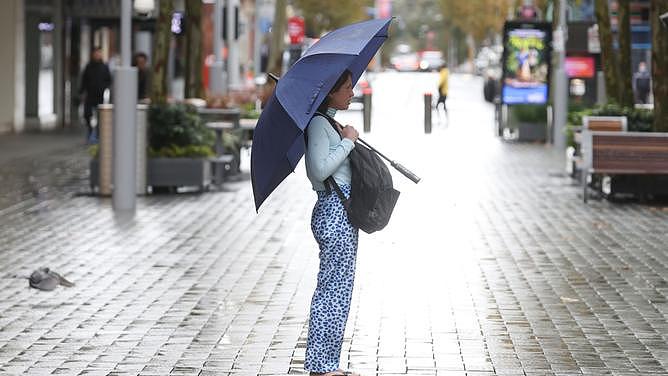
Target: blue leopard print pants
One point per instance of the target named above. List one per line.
(337, 240)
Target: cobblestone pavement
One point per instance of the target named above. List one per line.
(492, 265)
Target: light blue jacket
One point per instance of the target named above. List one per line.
(326, 153)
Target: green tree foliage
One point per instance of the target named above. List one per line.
(177, 125)
(659, 65)
(477, 18)
(322, 16)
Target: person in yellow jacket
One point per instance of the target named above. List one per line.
(443, 87)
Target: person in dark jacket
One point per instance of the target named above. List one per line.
(642, 82)
(95, 80)
(143, 76)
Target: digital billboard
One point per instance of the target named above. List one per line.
(526, 62)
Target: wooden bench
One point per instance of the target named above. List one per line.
(594, 124)
(623, 153)
(605, 123)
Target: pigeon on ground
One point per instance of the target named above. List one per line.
(47, 280)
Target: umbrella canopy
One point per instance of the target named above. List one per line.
(278, 139)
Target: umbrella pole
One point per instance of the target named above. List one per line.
(404, 171)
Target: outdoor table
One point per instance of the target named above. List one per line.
(221, 114)
(248, 126)
(221, 159)
(219, 127)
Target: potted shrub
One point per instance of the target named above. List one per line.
(530, 121)
(179, 147)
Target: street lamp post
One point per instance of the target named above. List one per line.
(125, 137)
(217, 73)
(232, 45)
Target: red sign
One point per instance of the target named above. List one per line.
(383, 9)
(579, 67)
(296, 30)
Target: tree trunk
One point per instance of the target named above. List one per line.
(626, 97)
(194, 87)
(277, 39)
(556, 13)
(608, 57)
(161, 42)
(659, 65)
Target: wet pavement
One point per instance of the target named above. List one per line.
(492, 265)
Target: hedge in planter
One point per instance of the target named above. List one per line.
(180, 146)
(177, 125)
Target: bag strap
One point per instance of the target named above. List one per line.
(329, 183)
(331, 122)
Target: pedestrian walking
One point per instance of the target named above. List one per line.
(143, 76)
(443, 76)
(94, 81)
(327, 155)
(642, 83)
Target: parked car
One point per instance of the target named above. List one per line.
(408, 62)
(431, 60)
(487, 57)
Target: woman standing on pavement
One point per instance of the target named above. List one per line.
(327, 155)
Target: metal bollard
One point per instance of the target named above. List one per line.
(142, 133)
(106, 144)
(427, 113)
(366, 96)
(105, 124)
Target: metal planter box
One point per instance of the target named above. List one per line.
(167, 172)
(178, 172)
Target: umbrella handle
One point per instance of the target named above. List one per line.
(273, 76)
(398, 166)
(414, 178)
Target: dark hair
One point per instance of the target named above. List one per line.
(137, 56)
(337, 85)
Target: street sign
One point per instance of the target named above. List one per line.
(296, 29)
(579, 66)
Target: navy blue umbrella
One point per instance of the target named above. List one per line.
(278, 139)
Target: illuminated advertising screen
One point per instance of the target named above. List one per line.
(526, 62)
(579, 67)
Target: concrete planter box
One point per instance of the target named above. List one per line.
(167, 172)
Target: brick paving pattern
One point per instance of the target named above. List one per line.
(491, 266)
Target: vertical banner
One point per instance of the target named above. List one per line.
(526, 62)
